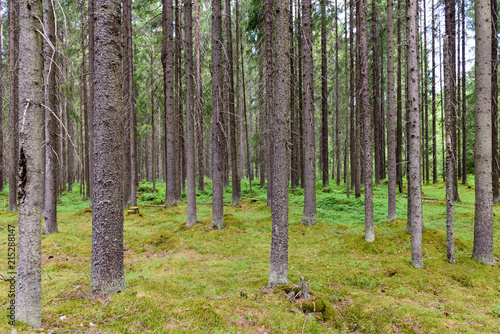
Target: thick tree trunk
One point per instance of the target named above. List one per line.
(279, 245)
(483, 219)
(190, 154)
(30, 190)
(414, 170)
(391, 116)
(366, 124)
(324, 100)
(169, 126)
(107, 271)
(309, 217)
(51, 125)
(217, 135)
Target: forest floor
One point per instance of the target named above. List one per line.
(201, 280)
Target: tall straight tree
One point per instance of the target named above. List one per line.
(268, 15)
(324, 99)
(190, 157)
(494, 103)
(199, 107)
(336, 169)
(414, 171)
(217, 131)
(13, 106)
(391, 116)
(168, 81)
(127, 99)
(235, 184)
(107, 272)
(366, 126)
(2, 168)
(309, 217)
(91, 85)
(86, 167)
(30, 190)
(51, 125)
(279, 245)
(399, 104)
(433, 88)
(483, 219)
(450, 105)
(377, 119)
(464, 102)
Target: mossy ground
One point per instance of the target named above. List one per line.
(201, 280)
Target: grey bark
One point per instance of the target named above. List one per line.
(399, 106)
(2, 164)
(13, 106)
(279, 245)
(217, 135)
(366, 126)
(414, 171)
(324, 100)
(107, 270)
(433, 88)
(51, 125)
(28, 301)
(309, 217)
(494, 104)
(199, 107)
(483, 219)
(127, 105)
(269, 98)
(190, 154)
(391, 116)
(90, 112)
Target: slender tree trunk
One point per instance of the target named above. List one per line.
(152, 120)
(391, 116)
(71, 147)
(85, 105)
(337, 112)
(13, 105)
(262, 108)
(90, 111)
(434, 146)
(324, 96)
(483, 219)
(376, 106)
(51, 126)
(107, 271)
(426, 102)
(352, 131)
(279, 245)
(269, 98)
(2, 168)
(249, 151)
(309, 217)
(464, 104)
(217, 136)
(399, 106)
(190, 155)
(30, 191)
(169, 126)
(415, 187)
(294, 126)
(199, 105)
(300, 93)
(366, 126)
(494, 103)
(131, 106)
(127, 103)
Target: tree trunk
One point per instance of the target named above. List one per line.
(13, 106)
(30, 190)
(190, 155)
(376, 106)
(309, 217)
(127, 103)
(399, 106)
(279, 245)
(494, 103)
(425, 99)
(217, 136)
(51, 125)
(269, 97)
(107, 271)
(235, 179)
(414, 170)
(391, 117)
(464, 104)
(199, 105)
(483, 219)
(262, 110)
(324, 102)
(294, 126)
(434, 146)
(152, 120)
(90, 111)
(169, 126)
(337, 129)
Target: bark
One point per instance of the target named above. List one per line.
(324, 102)
(425, 98)
(399, 106)
(51, 125)
(294, 135)
(217, 135)
(199, 106)
(269, 98)
(152, 120)
(366, 126)
(249, 151)
(279, 245)
(190, 154)
(127, 103)
(376, 106)
(262, 108)
(235, 178)
(300, 93)
(337, 112)
(71, 139)
(494, 103)
(464, 104)
(2, 165)
(169, 126)
(391, 116)
(414, 171)
(107, 271)
(433, 88)
(30, 190)
(309, 217)
(90, 111)
(483, 218)
(450, 104)
(13, 106)
(130, 105)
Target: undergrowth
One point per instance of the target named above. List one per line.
(201, 280)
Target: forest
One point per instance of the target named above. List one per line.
(249, 166)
